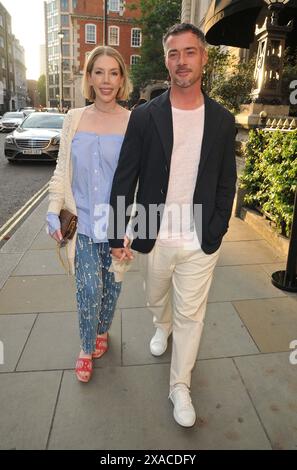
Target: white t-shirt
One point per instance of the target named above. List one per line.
(177, 226)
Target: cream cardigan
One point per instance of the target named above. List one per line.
(60, 192)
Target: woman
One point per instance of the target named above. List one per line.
(90, 145)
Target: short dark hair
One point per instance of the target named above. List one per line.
(184, 28)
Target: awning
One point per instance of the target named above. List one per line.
(232, 22)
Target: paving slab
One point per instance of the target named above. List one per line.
(271, 382)
(271, 268)
(224, 335)
(137, 330)
(39, 263)
(240, 283)
(133, 292)
(14, 332)
(27, 406)
(240, 231)
(128, 408)
(23, 238)
(8, 262)
(37, 294)
(43, 241)
(271, 322)
(246, 252)
(56, 338)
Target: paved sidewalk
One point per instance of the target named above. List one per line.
(244, 387)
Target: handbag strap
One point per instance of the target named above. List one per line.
(62, 260)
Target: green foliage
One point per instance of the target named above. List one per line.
(156, 17)
(41, 88)
(270, 175)
(227, 80)
(289, 75)
(215, 69)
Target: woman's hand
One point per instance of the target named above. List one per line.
(57, 235)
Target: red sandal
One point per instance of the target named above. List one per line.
(101, 347)
(83, 364)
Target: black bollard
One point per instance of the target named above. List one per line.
(287, 280)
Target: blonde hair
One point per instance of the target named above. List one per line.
(87, 90)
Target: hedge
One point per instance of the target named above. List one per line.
(270, 175)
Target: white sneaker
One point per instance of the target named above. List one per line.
(184, 412)
(158, 344)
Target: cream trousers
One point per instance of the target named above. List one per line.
(177, 286)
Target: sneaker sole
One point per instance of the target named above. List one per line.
(183, 424)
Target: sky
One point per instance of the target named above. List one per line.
(27, 24)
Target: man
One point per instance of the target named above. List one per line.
(179, 148)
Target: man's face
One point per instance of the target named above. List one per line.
(185, 57)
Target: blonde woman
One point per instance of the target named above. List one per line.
(90, 145)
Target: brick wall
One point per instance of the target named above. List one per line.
(91, 12)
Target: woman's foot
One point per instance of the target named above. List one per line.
(84, 367)
(101, 345)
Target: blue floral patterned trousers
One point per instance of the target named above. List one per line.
(96, 290)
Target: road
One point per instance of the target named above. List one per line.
(19, 182)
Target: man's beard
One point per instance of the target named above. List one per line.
(183, 83)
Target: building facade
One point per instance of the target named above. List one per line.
(194, 11)
(20, 96)
(85, 24)
(7, 75)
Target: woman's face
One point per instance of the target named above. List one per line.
(106, 78)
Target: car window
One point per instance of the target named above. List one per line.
(13, 115)
(43, 121)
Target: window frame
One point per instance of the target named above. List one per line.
(94, 26)
(117, 28)
(140, 37)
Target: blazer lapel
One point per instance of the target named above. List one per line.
(211, 128)
(162, 115)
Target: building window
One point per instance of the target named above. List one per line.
(114, 5)
(90, 33)
(52, 93)
(1, 41)
(65, 20)
(74, 4)
(66, 64)
(136, 37)
(66, 50)
(1, 20)
(134, 59)
(64, 5)
(66, 91)
(114, 36)
(3, 62)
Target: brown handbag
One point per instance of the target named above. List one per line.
(68, 225)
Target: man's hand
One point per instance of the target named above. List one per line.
(125, 253)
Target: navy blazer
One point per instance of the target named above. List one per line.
(145, 159)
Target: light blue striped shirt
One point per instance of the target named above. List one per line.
(94, 160)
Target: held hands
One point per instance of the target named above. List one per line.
(122, 254)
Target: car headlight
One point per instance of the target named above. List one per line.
(56, 140)
(9, 139)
